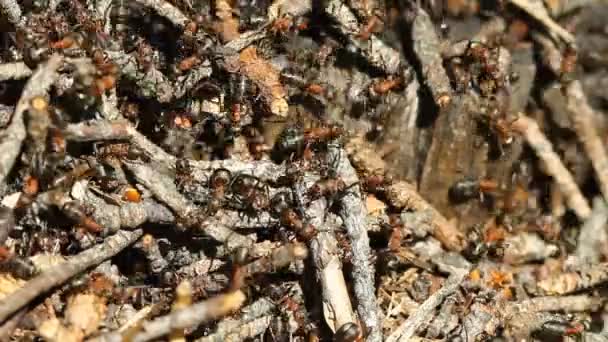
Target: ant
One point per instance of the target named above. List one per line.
(349, 332)
(18, 266)
(296, 142)
(249, 194)
(467, 189)
(218, 183)
(282, 207)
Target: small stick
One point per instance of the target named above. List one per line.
(13, 136)
(164, 189)
(403, 195)
(585, 126)
(191, 316)
(167, 10)
(540, 13)
(580, 279)
(592, 235)
(59, 274)
(6, 330)
(11, 9)
(375, 50)
(258, 309)
(118, 130)
(279, 258)
(127, 215)
(544, 150)
(150, 84)
(354, 216)
(428, 48)
(337, 307)
(149, 246)
(424, 312)
(576, 303)
(14, 71)
(248, 330)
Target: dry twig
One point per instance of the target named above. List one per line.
(337, 307)
(566, 304)
(584, 119)
(378, 53)
(192, 316)
(407, 330)
(538, 12)
(15, 133)
(12, 10)
(403, 195)
(592, 236)
(427, 48)
(353, 214)
(14, 71)
(568, 282)
(167, 10)
(164, 189)
(62, 272)
(554, 166)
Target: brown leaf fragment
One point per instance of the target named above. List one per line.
(8, 284)
(53, 330)
(266, 77)
(227, 26)
(85, 312)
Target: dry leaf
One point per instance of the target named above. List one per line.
(266, 77)
(85, 312)
(375, 207)
(9, 284)
(227, 26)
(53, 330)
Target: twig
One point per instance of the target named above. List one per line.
(98, 130)
(164, 189)
(354, 216)
(11, 9)
(428, 48)
(554, 166)
(118, 130)
(127, 215)
(592, 236)
(403, 195)
(6, 330)
(408, 328)
(14, 71)
(583, 118)
(15, 133)
(191, 316)
(580, 279)
(337, 307)
(185, 83)
(60, 273)
(249, 330)
(279, 258)
(375, 50)
(150, 84)
(167, 10)
(540, 13)
(149, 247)
(577, 303)
(260, 308)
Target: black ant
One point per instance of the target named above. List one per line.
(218, 183)
(249, 194)
(282, 208)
